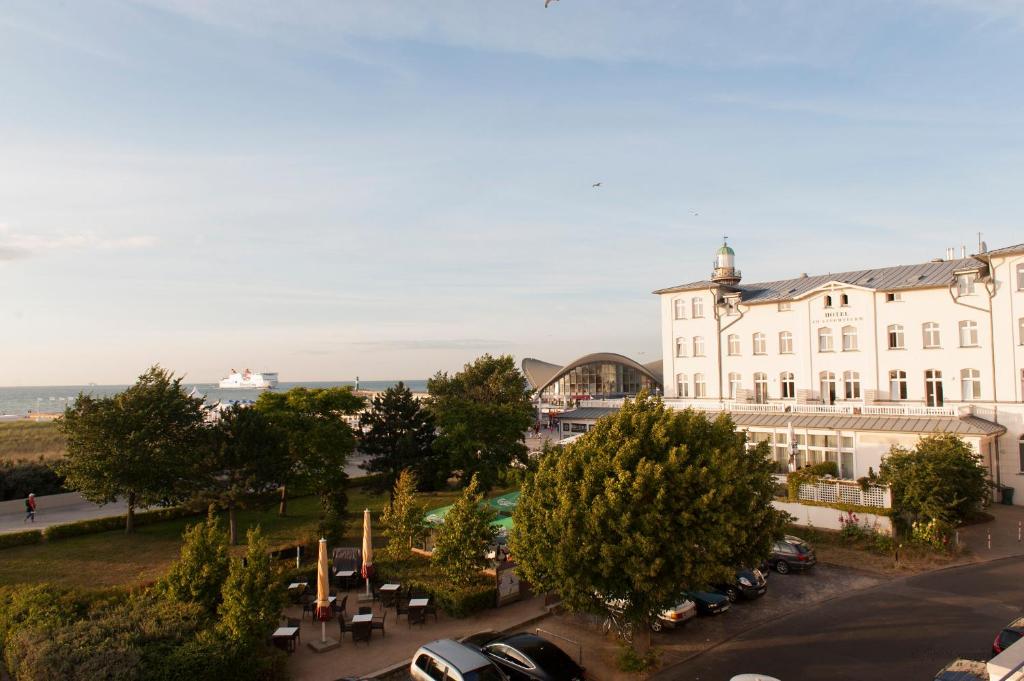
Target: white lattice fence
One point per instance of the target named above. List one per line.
(843, 492)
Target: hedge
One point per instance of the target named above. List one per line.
(116, 522)
(20, 538)
(417, 573)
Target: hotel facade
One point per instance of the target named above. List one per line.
(843, 366)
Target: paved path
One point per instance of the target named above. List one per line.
(904, 629)
(15, 522)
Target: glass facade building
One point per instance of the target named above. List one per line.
(598, 379)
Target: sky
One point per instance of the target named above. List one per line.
(390, 188)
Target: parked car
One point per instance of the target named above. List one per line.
(670, 618)
(708, 602)
(526, 657)
(791, 553)
(750, 584)
(1010, 634)
(448, 659)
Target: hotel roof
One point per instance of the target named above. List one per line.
(902, 277)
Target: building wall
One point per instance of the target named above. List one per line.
(828, 518)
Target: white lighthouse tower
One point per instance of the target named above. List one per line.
(725, 271)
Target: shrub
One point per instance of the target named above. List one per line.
(19, 479)
(199, 574)
(461, 543)
(252, 595)
(402, 519)
(809, 474)
(97, 525)
(417, 572)
(20, 538)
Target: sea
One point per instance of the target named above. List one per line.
(54, 398)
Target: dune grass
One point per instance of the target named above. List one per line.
(30, 440)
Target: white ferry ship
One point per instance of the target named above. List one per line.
(249, 380)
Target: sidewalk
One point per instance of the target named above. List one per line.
(400, 643)
(81, 510)
(1003, 532)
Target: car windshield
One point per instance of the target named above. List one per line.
(1007, 638)
(488, 673)
(552, 659)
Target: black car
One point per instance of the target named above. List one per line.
(750, 584)
(791, 553)
(708, 602)
(1010, 634)
(526, 657)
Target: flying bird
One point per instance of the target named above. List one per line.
(548, 2)
(596, 185)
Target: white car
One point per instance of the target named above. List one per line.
(669, 618)
(452, 661)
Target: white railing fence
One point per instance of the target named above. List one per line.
(845, 492)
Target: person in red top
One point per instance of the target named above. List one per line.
(30, 508)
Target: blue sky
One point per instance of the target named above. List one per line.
(385, 189)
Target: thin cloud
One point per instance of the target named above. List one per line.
(432, 344)
(16, 245)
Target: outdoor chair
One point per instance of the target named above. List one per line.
(297, 623)
(430, 609)
(365, 609)
(417, 615)
(361, 632)
(341, 606)
(401, 607)
(378, 622)
(308, 605)
(388, 598)
(344, 624)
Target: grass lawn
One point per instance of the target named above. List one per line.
(112, 558)
(30, 440)
(870, 554)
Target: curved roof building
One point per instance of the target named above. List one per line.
(602, 374)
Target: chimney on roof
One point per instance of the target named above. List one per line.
(803, 275)
(950, 253)
(963, 251)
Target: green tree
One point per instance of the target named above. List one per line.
(398, 433)
(139, 445)
(402, 519)
(462, 541)
(200, 572)
(319, 442)
(482, 412)
(245, 462)
(252, 596)
(648, 503)
(942, 478)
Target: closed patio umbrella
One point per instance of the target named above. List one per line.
(367, 549)
(323, 589)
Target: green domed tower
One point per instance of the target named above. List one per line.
(725, 271)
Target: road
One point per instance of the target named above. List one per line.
(904, 629)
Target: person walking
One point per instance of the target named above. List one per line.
(30, 508)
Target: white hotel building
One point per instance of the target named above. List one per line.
(849, 364)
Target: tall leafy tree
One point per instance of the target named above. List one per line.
(200, 572)
(942, 478)
(245, 462)
(139, 445)
(482, 412)
(402, 519)
(462, 541)
(398, 434)
(649, 502)
(253, 596)
(319, 441)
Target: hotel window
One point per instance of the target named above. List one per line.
(682, 385)
(824, 339)
(698, 308)
(734, 344)
(894, 297)
(827, 382)
(760, 344)
(896, 338)
(931, 335)
(735, 385)
(1020, 330)
(680, 305)
(828, 301)
(788, 385)
(698, 346)
(760, 387)
(1020, 277)
(680, 347)
(965, 283)
(897, 385)
(700, 388)
(849, 338)
(784, 307)
(970, 383)
(968, 334)
(844, 300)
(851, 385)
(785, 343)
(933, 388)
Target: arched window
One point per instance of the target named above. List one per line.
(788, 383)
(698, 307)
(786, 343)
(700, 388)
(844, 300)
(851, 385)
(1020, 330)
(849, 338)
(1020, 279)
(681, 347)
(827, 381)
(897, 385)
(968, 334)
(698, 346)
(680, 307)
(931, 335)
(760, 344)
(682, 385)
(897, 341)
(970, 384)
(760, 387)
(933, 388)
(828, 301)
(734, 344)
(735, 385)
(824, 339)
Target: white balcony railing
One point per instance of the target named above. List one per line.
(822, 409)
(845, 492)
(782, 407)
(909, 410)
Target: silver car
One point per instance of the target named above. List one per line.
(448, 660)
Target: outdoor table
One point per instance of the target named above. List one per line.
(298, 585)
(390, 587)
(417, 611)
(287, 634)
(362, 618)
(345, 573)
(418, 602)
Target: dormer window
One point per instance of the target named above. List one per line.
(965, 283)
(894, 297)
(828, 301)
(844, 300)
